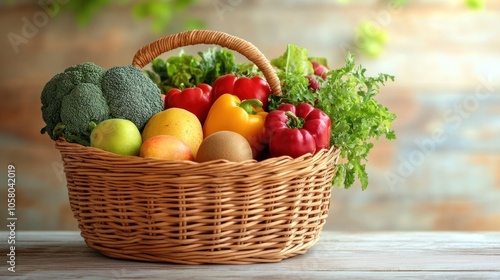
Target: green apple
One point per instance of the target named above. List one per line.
(117, 136)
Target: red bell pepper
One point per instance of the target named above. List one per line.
(196, 100)
(245, 88)
(297, 130)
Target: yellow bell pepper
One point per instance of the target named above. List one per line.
(247, 118)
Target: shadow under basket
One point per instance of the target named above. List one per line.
(193, 213)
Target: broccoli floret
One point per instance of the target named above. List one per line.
(82, 108)
(52, 95)
(61, 85)
(131, 94)
(88, 94)
(86, 72)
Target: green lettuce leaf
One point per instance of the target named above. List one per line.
(216, 62)
(295, 60)
(184, 70)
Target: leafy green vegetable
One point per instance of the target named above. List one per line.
(184, 70)
(294, 60)
(215, 63)
(176, 72)
(347, 96)
(248, 70)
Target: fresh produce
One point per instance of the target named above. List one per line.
(117, 136)
(226, 145)
(319, 72)
(176, 122)
(294, 60)
(196, 100)
(319, 69)
(165, 147)
(131, 95)
(81, 110)
(245, 88)
(61, 85)
(319, 107)
(347, 96)
(86, 94)
(314, 85)
(183, 71)
(246, 118)
(297, 130)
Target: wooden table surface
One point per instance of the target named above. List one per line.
(353, 255)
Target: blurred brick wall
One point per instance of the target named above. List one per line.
(442, 173)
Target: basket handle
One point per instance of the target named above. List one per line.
(193, 37)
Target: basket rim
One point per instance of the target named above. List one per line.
(62, 143)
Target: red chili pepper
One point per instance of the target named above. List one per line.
(297, 130)
(197, 100)
(245, 88)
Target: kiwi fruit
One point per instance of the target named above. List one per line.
(226, 145)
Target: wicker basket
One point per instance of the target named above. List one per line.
(194, 213)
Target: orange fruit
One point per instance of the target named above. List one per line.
(176, 122)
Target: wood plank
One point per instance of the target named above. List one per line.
(373, 255)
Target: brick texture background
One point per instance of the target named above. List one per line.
(442, 173)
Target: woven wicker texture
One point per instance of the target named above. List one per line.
(194, 213)
(187, 212)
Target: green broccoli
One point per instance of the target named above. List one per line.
(131, 94)
(83, 108)
(86, 72)
(88, 94)
(61, 85)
